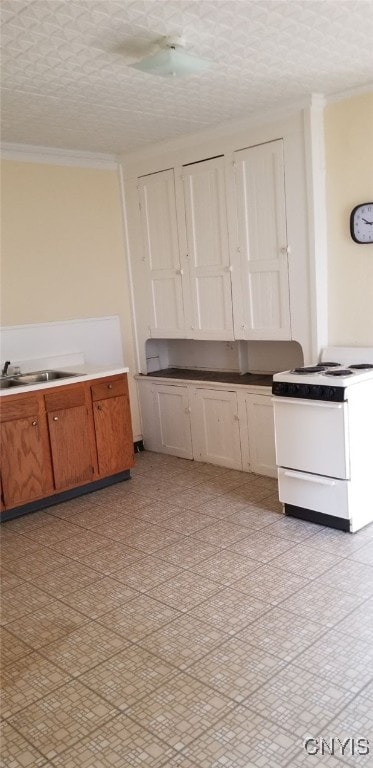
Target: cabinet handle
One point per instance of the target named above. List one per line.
(110, 386)
(179, 271)
(55, 418)
(34, 423)
(99, 407)
(188, 410)
(229, 269)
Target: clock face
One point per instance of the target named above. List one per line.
(361, 223)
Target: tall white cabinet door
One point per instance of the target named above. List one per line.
(208, 249)
(261, 286)
(162, 254)
(172, 410)
(215, 427)
(257, 434)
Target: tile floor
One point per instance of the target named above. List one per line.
(178, 620)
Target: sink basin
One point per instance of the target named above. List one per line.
(40, 376)
(7, 382)
(37, 377)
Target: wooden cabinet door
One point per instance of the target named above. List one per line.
(215, 427)
(257, 434)
(172, 409)
(261, 285)
(25, 462)
(1, 496)
(208, 249)
(161, 253)
(70, 446)
(114, 439)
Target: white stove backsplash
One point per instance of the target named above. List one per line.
(347, 355)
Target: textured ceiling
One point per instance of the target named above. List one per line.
(66, 81)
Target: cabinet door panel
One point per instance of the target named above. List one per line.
(162, 253)
(113, 434)
(258, 434)
(173, 412)
(208, 249)
(215, 427)
(25, 467)
(70, 446)
(261, 290)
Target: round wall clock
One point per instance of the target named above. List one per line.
(361, 223)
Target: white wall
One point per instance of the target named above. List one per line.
(63, 255)
(349, 181)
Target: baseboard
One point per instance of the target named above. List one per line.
(58, 498)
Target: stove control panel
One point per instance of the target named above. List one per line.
(308, 391)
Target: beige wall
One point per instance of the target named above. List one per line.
(349, 181)
(62, 249)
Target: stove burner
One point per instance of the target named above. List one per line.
(309, 369)
(361, 366)
(341, 372)
(332, 365)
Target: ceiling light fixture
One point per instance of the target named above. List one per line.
(172, 61)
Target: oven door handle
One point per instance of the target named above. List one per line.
(299, 401)
(310, 478)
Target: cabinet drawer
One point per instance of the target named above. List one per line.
(321, 494)
(65, 397)
(18, 407)
(104, 389)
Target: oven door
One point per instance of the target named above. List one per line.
(312, 436)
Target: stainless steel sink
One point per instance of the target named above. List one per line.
(40, 376)
(7, 381)
(36, 377)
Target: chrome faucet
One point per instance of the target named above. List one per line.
(4, 371)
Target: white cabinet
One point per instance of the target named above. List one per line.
(261, 282)
(257, 434)
(207, 249)
(165, 414)
(184, 230)
(173, 415)
(215, 427)
(212, 274)
(164, 304)
(215, 424)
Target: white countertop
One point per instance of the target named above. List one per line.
(82, 373)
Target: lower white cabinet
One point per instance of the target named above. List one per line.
(215, 427)
(229, 428)
(257, 434)
(172, 411)
(165, 412)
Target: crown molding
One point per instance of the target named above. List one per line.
(218, 131)
(350, 93)
(28, 153)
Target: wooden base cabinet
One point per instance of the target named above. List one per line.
(112, 418)
(26, 471)
(62, 438)
(229, 428)
(69, 435)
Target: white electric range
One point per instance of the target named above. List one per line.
(324, 438)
